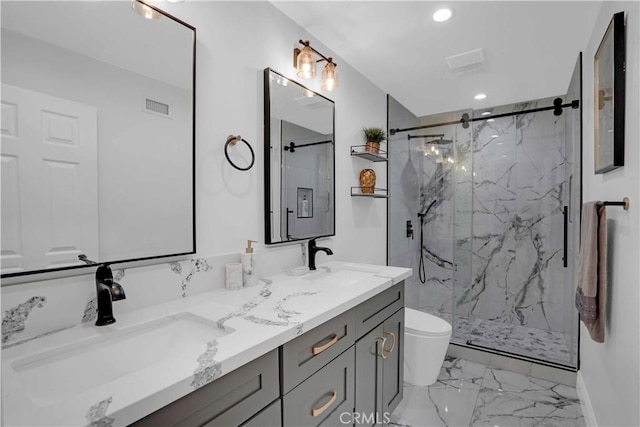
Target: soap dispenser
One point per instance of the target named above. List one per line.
(249, 265)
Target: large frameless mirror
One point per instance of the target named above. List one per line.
(97, 134)
(299, 161)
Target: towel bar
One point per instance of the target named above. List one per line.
(624, 203)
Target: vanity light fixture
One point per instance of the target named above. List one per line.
(305, 62)
(442, 15)
(144, 10)
(329, 77)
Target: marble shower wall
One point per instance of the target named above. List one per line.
(493, 239)
(519, 173)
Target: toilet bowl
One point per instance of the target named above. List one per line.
(426, 341)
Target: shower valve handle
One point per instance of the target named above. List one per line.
(409, 229)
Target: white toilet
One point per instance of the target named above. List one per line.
(426, 341)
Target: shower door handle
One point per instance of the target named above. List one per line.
(565, 257)
(289, 212)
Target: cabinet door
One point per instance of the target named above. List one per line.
(393, 367)
(369, 372)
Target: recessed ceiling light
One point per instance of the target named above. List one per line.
(491, 120)
(442, 15)
(485, 113)
(480, 96)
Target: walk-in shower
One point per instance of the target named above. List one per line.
(495, 196)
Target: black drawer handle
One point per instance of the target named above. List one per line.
(317, 349)
(320, 410)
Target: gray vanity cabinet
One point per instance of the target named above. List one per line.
(271, 416)
(368, 392)
(393, 363)
(323, 398)
(309, 352)
(228, 401)
(379, 356)
(348, 370)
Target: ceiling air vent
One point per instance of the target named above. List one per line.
(467, 61)
(156, 107)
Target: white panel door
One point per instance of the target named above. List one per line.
(49, 181)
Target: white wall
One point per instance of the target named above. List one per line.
(235, 42)
(611, 370)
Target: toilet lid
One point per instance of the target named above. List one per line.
(425, 324)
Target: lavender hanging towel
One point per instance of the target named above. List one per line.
(591, 294)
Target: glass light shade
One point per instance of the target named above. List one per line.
(329, 77)
(144, 10)
(306, 63)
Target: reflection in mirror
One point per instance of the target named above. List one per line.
(97, 135)
(299, 161)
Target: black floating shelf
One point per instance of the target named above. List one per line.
(378, 193)
(360, 151)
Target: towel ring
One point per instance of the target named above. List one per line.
(233, 140)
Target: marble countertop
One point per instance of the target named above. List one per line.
(260, 318)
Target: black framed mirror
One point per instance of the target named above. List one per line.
(98, 136)
(609, 82)
(299, 131)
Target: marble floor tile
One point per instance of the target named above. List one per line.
(510, 399)
(471, 394)
(460, 373)
(435, 406)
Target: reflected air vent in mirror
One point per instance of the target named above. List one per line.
(156, 107)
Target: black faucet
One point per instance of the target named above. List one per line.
(313, 250)
(107, 291)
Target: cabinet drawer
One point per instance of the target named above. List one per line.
(374, 311)
(227, 401)
(271, 416)
(322, 398)
(303, 356)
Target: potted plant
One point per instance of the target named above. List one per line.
(373, 137)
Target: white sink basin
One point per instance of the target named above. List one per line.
(81, 366)
(344, 275)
